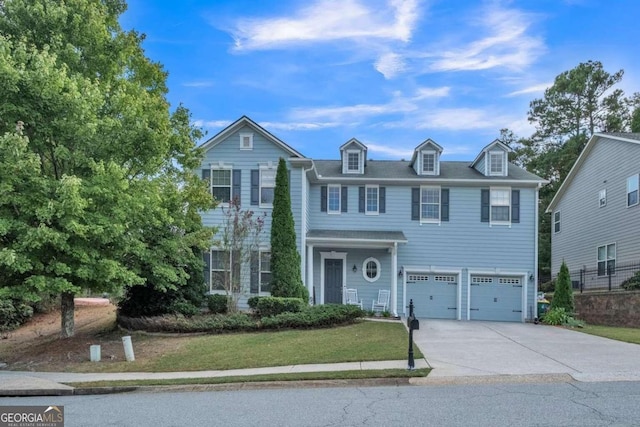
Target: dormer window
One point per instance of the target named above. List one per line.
(246, 141)
(496, 163)
(429, 163)
(353, 161)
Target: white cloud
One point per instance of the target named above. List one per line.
(212, 123)
(350, 112)
(531, 89)
(203, 83)
(390, 151)
(390, 65)
(329, 20)
(429, 92)
(505, 44)
(289, 126)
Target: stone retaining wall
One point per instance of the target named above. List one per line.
(609, 308)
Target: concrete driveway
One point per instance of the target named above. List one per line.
(476, 349)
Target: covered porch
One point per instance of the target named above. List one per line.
(364, 260)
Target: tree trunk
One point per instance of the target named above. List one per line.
(67, 312)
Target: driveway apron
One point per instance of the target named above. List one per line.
(474, 348)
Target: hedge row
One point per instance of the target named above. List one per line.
(13, 314)
(309, 317)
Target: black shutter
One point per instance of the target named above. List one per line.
(515, 205)
(361, 199)
(254, 287)
(345, 196)
(236, 181)
(382, 194)
(206, 176)
(444, 204)
(255, 187)
(484, 205)
(415, 204)
(206, 257)
(323, 198)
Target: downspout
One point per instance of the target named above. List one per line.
(394, 280)
(303, 232)
(535, 267)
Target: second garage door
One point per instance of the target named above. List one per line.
(496, 298)
(434, 296)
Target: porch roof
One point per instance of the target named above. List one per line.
(356, 237)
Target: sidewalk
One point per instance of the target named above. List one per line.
(20, 383)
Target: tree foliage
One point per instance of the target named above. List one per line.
(286, 280)
(563, 295)
(106, 199)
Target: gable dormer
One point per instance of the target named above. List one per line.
(493, 160)
(426, 158)
(354, 157)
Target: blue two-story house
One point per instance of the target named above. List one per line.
(458, 238)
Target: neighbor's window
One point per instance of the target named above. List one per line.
(430, 204)
(333, 196)
(220, 272)
(602, 198)
(221, 184)
(556, 222)
(267, 186)
(371, 269)
(500, 204)
(371, 201)
(606, 259)
(496, 163)
(632, 190)
(265, 271)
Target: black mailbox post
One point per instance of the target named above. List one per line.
(413, 324)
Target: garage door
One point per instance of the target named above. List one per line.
(496, 298)
(435, 296)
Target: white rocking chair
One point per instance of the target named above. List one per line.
(352, 298)
(382, 303)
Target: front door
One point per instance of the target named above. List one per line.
(333, 281)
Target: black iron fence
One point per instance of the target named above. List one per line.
(603, 277)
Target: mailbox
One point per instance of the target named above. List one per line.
(413, 323)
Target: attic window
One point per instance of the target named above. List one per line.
(496, 163)
(353, 161)
(246, 141)
(429, 162)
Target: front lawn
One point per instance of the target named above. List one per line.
(363, 341)
(631, 335)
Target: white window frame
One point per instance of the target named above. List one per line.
(348, 154)
(435, 162)
(261, 185)
(602, 198)
(228, 270)
(364, 269)
(243, 136)
(492, 191)
(229, 169)
(607, 259)
(490, 163)
(439, 204)
(339, 189)
(366, 199)
(557, 217)
(261, 271)
(633, 186)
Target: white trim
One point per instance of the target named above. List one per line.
(431, 270)
(346, 161)
(491, 220)
(364, 269)
(602, 198)
(260, 252)
(559, 221)
(244, 135)
(431, 220)
(333, 255)
(217, 167)
(489, 163)
(435, 162)
(535, 253)
(393, 303)
(309, 283)
(637, 190)
(269, 167)
(497, 272)
(606, 258)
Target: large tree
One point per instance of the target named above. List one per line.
(93, 112)
(286, 280)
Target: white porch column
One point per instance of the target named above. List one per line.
(309, 263)
(394, 280)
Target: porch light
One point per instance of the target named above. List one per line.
(354, 269)
(400, 272)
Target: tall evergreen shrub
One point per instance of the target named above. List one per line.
(563, 295)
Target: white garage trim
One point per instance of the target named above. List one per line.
(523, 275)
(431, 270)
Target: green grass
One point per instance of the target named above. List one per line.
(363, 341)
(631, 335)
(335, 375)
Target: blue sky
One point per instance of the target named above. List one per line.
(391, 73)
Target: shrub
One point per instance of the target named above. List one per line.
(313, 317)
(563, 295)
(218, 303)
(237, 322)
(271, 306)
(253, 302)
(632, 283)
(556, 316)
(13, 313)
(549, 286)
(183, 307)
